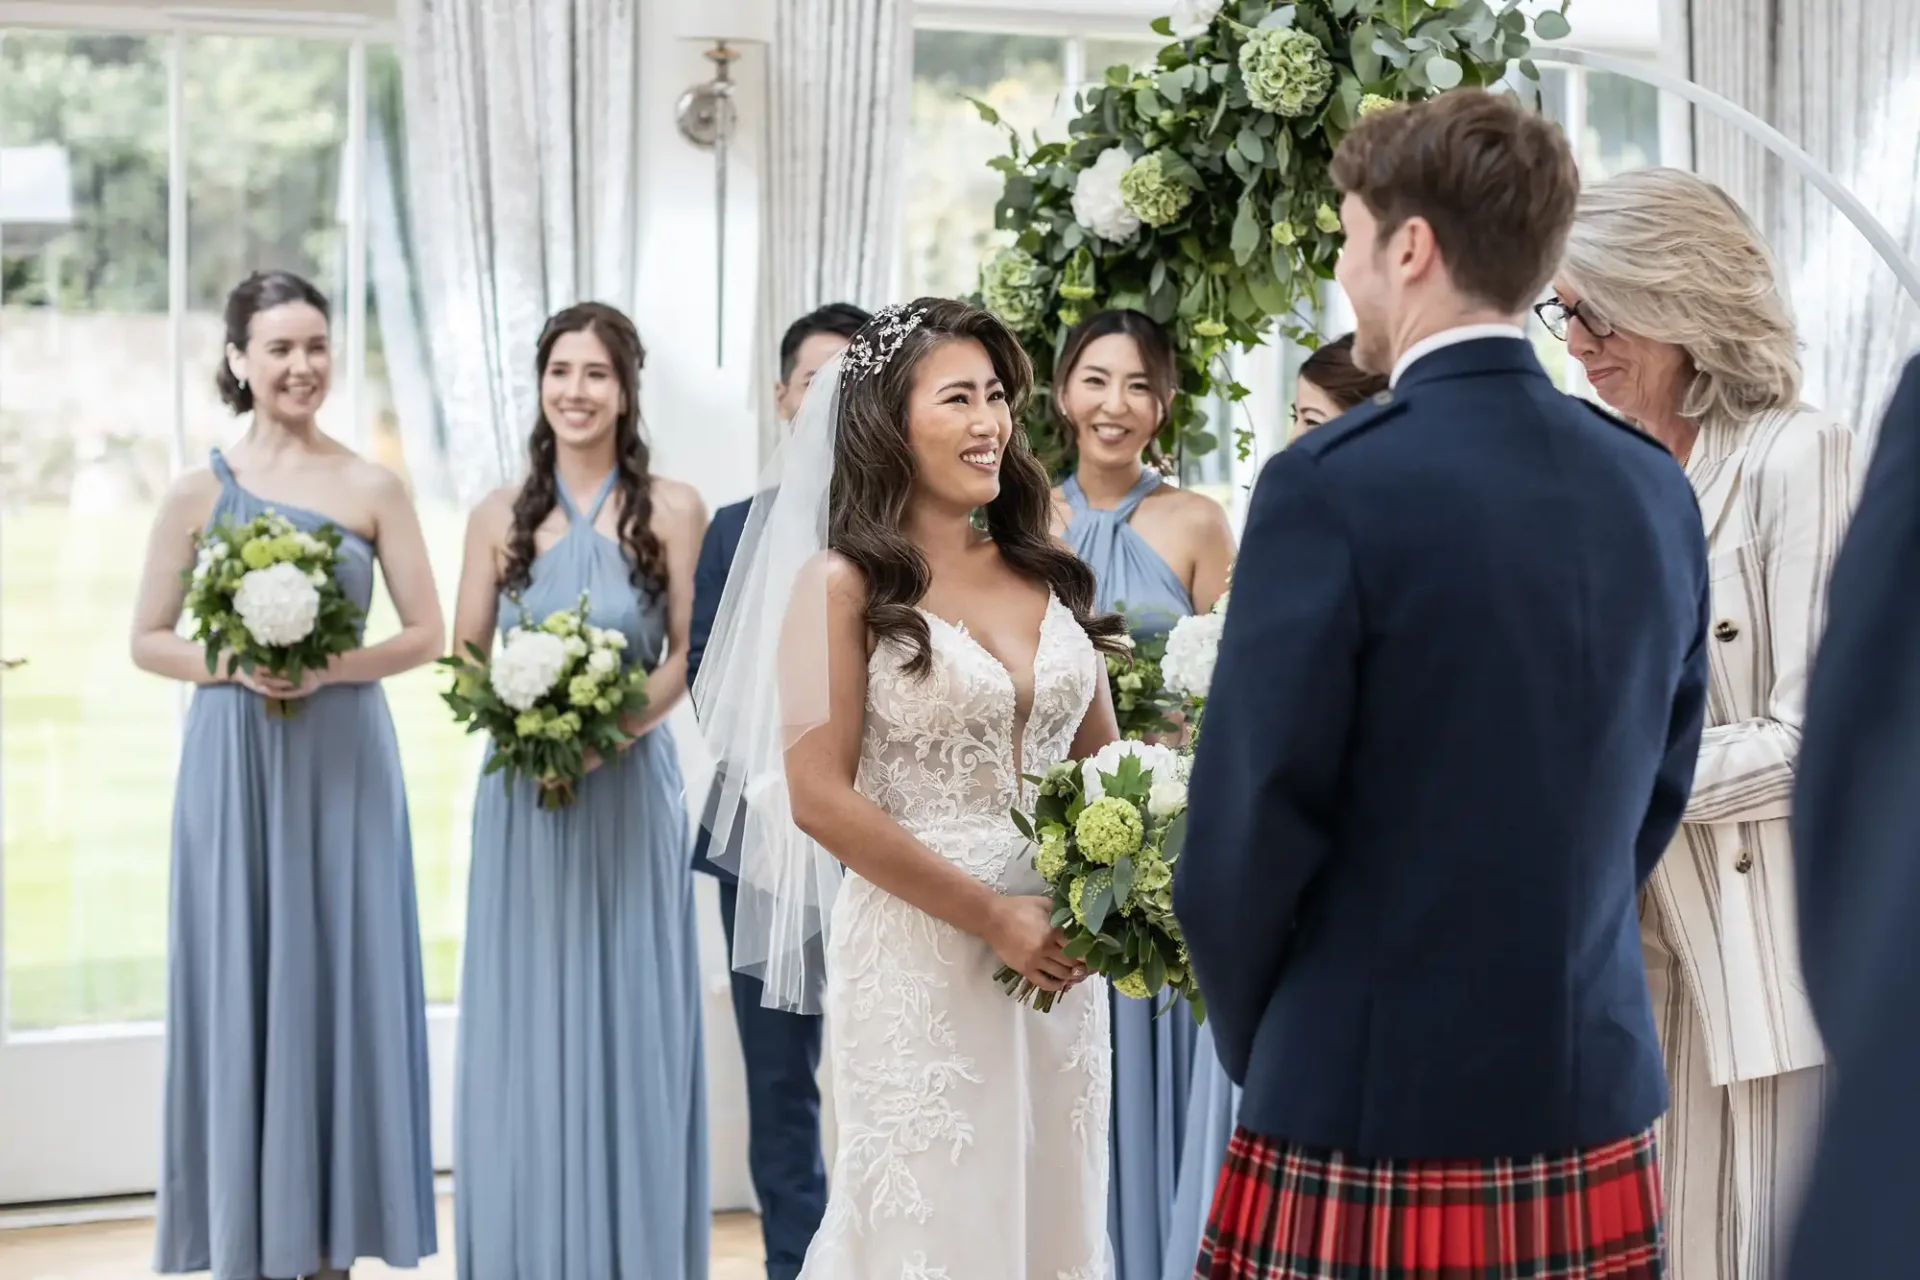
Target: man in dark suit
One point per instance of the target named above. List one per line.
(1856, 848)
(782, 1050)
(1454, 723)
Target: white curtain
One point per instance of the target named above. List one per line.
(840, 78)
(1842, 79)
(522, 150)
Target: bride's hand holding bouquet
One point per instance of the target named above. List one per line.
(1109, 831)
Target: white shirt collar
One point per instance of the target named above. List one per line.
(1449, 337)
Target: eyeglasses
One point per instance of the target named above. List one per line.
(1559, 316)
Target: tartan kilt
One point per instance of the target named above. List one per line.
(1283, 1212)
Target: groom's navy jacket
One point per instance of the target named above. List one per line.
(1453, 726)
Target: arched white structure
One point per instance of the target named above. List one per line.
(1767, 136)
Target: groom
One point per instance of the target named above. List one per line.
(782, 1050)
(1465, 674)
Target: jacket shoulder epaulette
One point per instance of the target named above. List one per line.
(1615, 420)
(1363, 417)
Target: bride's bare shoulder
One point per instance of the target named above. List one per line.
(840, 578)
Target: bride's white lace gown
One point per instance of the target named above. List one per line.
(972, 1130)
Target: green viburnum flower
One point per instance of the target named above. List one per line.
(257, 554)
(1327, 219)
(1284, 234)
(1052, 858)
(1210, 328)
(1134, 984)
(1010, 286)
(1372, 102)
(1287, 72)
(1109, 829)
(1150, 194)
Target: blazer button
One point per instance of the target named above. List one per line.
(1726, 629)
(1743, 862)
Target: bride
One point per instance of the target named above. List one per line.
(885, 671)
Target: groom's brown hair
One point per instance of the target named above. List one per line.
(1495, 181)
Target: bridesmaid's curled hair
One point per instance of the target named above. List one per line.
(540, 494)
(873, 481)
(1331, 368)
(261, 291)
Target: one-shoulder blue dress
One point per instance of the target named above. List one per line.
(580, 1144)
(296, 1121)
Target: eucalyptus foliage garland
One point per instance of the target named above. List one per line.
(1197, 191)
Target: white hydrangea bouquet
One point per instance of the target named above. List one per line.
(553, 691)
(263, 596)
(1193, 648)
(1108, 832)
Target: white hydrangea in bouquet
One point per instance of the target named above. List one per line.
(1193, 648)
(1108, 832)
(553, 691)
(263, 597)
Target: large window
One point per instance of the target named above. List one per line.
(141, 176)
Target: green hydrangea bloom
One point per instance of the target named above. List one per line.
(1151, 872)
(286, 548)
(1284, 234)
(530, 724)
(563, 727)
(560, 624)
(1010, 286)
(1051, 861)
(1372, 102)
(1287, 71)
(1108, 830)
(583, 691)
(1134, 985)
(1327, 218)
(1150, 194)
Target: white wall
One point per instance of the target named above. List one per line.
(703, 422)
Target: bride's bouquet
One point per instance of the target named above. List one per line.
(1108, 832)
(553, 691)
(264, 595)
(1142, 703)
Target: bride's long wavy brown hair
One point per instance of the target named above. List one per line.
(873, 482)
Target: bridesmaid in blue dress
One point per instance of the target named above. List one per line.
(580, 1145)
(296, 1106)
(1158, 553)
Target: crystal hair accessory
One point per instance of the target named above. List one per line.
(881, 340)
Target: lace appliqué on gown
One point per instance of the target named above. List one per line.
(972, 1131)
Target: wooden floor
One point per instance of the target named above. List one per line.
(123, 1251)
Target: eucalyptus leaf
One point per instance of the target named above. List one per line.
(1529, 69)
(1246, 233)
(1443, 73)
(1392, 50)
(1280, 19)
(1251, 146)
(1552, 25)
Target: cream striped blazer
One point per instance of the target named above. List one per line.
(1775, 496)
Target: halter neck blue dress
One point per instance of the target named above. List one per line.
(580, 1143)
(1153, 1058)
(296, 1105)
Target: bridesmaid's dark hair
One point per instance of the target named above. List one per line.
(873, 481)
(1331, 368)
(540, 494)
(1155, 345)
(261, 291)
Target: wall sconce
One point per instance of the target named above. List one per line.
(706, 114)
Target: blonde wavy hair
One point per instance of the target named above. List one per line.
(1669, 256)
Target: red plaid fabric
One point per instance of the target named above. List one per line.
(1287, 1213)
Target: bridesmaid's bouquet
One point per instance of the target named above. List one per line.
(1108, 833)
(1193, 648)
(1142, 702)
(263, 594)
(553, 691)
